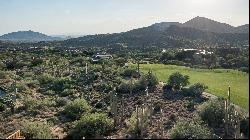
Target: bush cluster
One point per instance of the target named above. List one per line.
(212, 112)
(177, 80)
(149, 80)
(91, 125)
(129, 72)
(76, 108)
(194, 90)
(36, 130)
(184, 129)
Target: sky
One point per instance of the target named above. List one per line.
(82, 17)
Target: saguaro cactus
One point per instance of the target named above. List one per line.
(227, 115)
(138, 67)
(122, 109)
(137, 117)
(86, 69)
(141, 120)
(131, 85)
(237, 125)
(161, 123)
(113, 105)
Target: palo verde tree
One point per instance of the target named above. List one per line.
(177, 80)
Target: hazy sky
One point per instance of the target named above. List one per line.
(107, 16)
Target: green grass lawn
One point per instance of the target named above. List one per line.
(217, 80)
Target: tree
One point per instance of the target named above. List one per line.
(177, 80)
(152, 80)
(212, 112)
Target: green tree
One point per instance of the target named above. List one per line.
(177, 80)
(212, 112)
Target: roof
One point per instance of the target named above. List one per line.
(103, 55)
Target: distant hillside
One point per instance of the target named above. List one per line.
(242, 29)
(27, 36)
(169, 34)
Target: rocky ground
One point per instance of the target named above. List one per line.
(172, 109)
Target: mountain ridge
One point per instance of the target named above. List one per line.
(167, 34)
(198, 28)
(206, 24)
(27, 36)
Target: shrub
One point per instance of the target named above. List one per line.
(59, 84)
(32, 84)
(3, 75)
(149, 80)
(49, 92)
(190, 105)
(152, 80)
(189, 130)
(2, 107)
(104, 87)
(212, 112)
(120, 61)
(177, 80)
(31, 105)
(172, 117)
(34, 106)
(244, 69)
(45, 79)
(196, 89)
(140, 85)
(36, 130)
(2, 65)
(244, 126)
(130, 72)
(76, 108)
(167, 88)
(36, 62)
(67, 92)
(169, 95)
(124, 88)
(143, 124)
(61, 101)
(21, 86)
(11, 64)
(53, 120)
(91, 125)
(157, 106)
(99, 105)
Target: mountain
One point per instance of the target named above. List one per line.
(66, 36)
(170, 34)
(27, 36)
(242, 29)
(206, 24)
(164, 25)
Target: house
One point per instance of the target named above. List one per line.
(98, 57)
